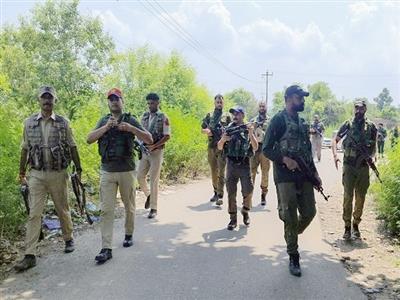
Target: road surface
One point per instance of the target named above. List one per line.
(187, 253)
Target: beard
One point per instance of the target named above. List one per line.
(299, 107)
(359, 116)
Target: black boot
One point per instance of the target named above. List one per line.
(104, 255)
(233, 223)
(347, 233)
(219, 202)
(246, 218)
(127, 241)
(69, 246)
(28, 262)
(356, 231)
(263, 201)
(147, 203)
(294, 265)
(214, 197)
(152, 213)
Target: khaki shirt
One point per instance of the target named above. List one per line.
(45, 125)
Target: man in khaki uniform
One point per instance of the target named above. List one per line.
(259, 158)
(48, 147)
(157, 123)
(317, 134)
(115, 134)
(360, 137)
(212, 126)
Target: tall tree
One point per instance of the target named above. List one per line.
(384, 99)
(245, 99)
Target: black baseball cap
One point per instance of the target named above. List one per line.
(237, 109)
(295, 89)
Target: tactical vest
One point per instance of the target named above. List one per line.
(216, 120)
(260, 130)
(156, 128)
(115, 144)
(358, 136)
(295, 141)
(239, 146)
(57, 143)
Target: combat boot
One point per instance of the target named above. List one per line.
(69, 246)
(263, 200)
(233, 223)
(152, 214)
(294, 265)
(219, 202)
(347, 233)
(104, 255)
(28, 262)
(356, 231)
(127, 241)
(214, 197)
(246, 218)
(147, 203)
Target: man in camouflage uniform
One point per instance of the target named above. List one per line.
(238, 147)
(381, 139)
(259, 158)
(360, 136)
(212, 126)
(156, 122)
(48, 147)
(317, 134)
(287, 138)
(394, 136)
(115, 134)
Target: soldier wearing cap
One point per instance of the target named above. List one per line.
(47, 148)
(212, 126)
(382, 134)
(115, 134)
(238, 148)
(157, 123)
(317, 133)
(259, 159)
(359, 134)
(287, 137)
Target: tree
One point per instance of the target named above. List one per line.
(384, 99)
(245, 99)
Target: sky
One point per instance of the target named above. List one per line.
(354, 46)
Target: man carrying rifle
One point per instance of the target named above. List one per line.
(317, 134)
(287, 140)
(212, 126)
(359, 147)
(47, 148)
(238, 143)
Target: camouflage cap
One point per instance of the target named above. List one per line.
(114, 91)
(360, 102)
(46, 89)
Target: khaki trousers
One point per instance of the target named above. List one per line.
(40, 184)
(151, 163)
(110, 182)
(316, 146)
(259, 159)
(217, 161)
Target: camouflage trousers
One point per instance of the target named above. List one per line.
(217, 162)
(259, 159)
(355, 182)
(296, 205)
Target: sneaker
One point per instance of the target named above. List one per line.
(233, 223)
(127, 241)
(294, 265)
(263, 200)
(356, 231)
(104, 255)
(347, 233)
(28, 262)
(147, 203)
(214, 198)
(152, 214)
(69, 246)
(246, 218)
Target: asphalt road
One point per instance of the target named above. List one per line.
(187, 253)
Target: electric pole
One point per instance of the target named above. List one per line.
(266, 75)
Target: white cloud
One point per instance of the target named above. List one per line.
(111, 22)
(361, 10)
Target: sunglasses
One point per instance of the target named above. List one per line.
(113, 98)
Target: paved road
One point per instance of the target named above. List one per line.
(188, 254)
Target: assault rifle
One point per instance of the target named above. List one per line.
(80, 194)
(310, 175)
(140, 148)
(25, 195)
(240, 128)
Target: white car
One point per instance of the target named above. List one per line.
(326, 143)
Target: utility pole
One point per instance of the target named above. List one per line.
(266, 75)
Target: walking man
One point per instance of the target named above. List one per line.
(212, 126)
(287, 137)
(115, 134)
(259, 158)
(317, 134)
(360, 139)
(381, 139)
(238, 147)
(47, 148)
(157, 123)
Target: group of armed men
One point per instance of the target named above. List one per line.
(235, 148)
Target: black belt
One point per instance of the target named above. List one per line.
(239, 160)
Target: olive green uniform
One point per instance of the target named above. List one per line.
(117, 172)
(48, 142)
(288, 136)
(355, 169)
(381, 140)
(259, 159)
(216, 158)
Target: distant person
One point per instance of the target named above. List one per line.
(157, 123)
(287, 137)
(381, 139)
(360, 135)
(212, 126)
(115, 134)
(238, 148)
(317, 130)
(48, 147)
(259, 159)
(394, 136)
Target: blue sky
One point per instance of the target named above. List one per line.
(354, 46)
